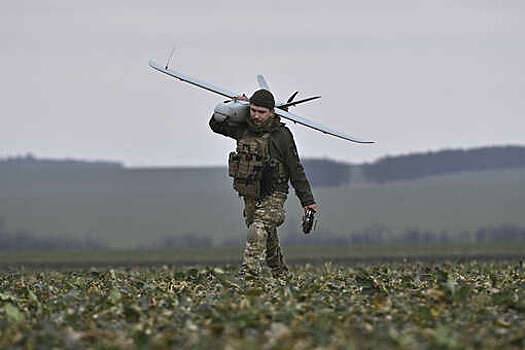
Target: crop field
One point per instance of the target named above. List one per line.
(447, 305)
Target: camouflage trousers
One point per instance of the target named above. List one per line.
(262, 244)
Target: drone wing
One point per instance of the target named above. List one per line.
(262, 82)
(316, 126)
(193, 81)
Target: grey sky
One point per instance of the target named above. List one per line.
(412, 75)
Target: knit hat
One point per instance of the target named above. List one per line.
(263, 98)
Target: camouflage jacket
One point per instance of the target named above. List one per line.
(282, 147)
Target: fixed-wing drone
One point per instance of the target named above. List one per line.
(237, 110)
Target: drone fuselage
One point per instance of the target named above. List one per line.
(233, 111)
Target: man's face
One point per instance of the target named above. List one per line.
(259, 114)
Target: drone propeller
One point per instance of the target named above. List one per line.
(290, 103)
(290, 99)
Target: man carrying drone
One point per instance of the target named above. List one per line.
(265, 160)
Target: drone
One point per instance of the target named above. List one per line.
(237, 110)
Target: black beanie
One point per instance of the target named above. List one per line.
(263, 98)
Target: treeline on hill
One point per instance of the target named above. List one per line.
(31, 162)
(414, 166)
(326, 172)
(23, 240)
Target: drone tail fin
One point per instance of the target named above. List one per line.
(263, 84)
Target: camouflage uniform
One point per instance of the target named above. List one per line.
(262, 219)
(264, 215)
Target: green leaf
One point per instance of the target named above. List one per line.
(7, 297)
(32, 296)
(115, 296)
(13, 314)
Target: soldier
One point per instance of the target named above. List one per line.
(265, 160)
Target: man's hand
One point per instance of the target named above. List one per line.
(314, 207)
(242, 97)
(309, 217)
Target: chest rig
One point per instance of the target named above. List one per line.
(254, 172)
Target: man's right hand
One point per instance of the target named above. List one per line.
(242, 97)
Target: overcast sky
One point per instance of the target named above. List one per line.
(411, 75)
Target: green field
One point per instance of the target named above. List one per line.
(315, 254)
(142, 207)
(416, 305)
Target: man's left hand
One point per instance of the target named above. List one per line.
(314, 207)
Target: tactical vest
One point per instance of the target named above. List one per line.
(254, 173)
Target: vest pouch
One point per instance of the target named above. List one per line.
(249, 189)
(245, 166)
(233, 164)
(273, 175)
(280, 174)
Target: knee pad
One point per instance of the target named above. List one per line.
(257, 232)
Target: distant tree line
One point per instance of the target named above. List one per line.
(29, 161)
(419, 165)
(187, 240)
(373, 235)
(23, 240)
(326, 172)
(377, 235)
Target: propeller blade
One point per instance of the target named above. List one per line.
(286, 105)
(290, 99)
